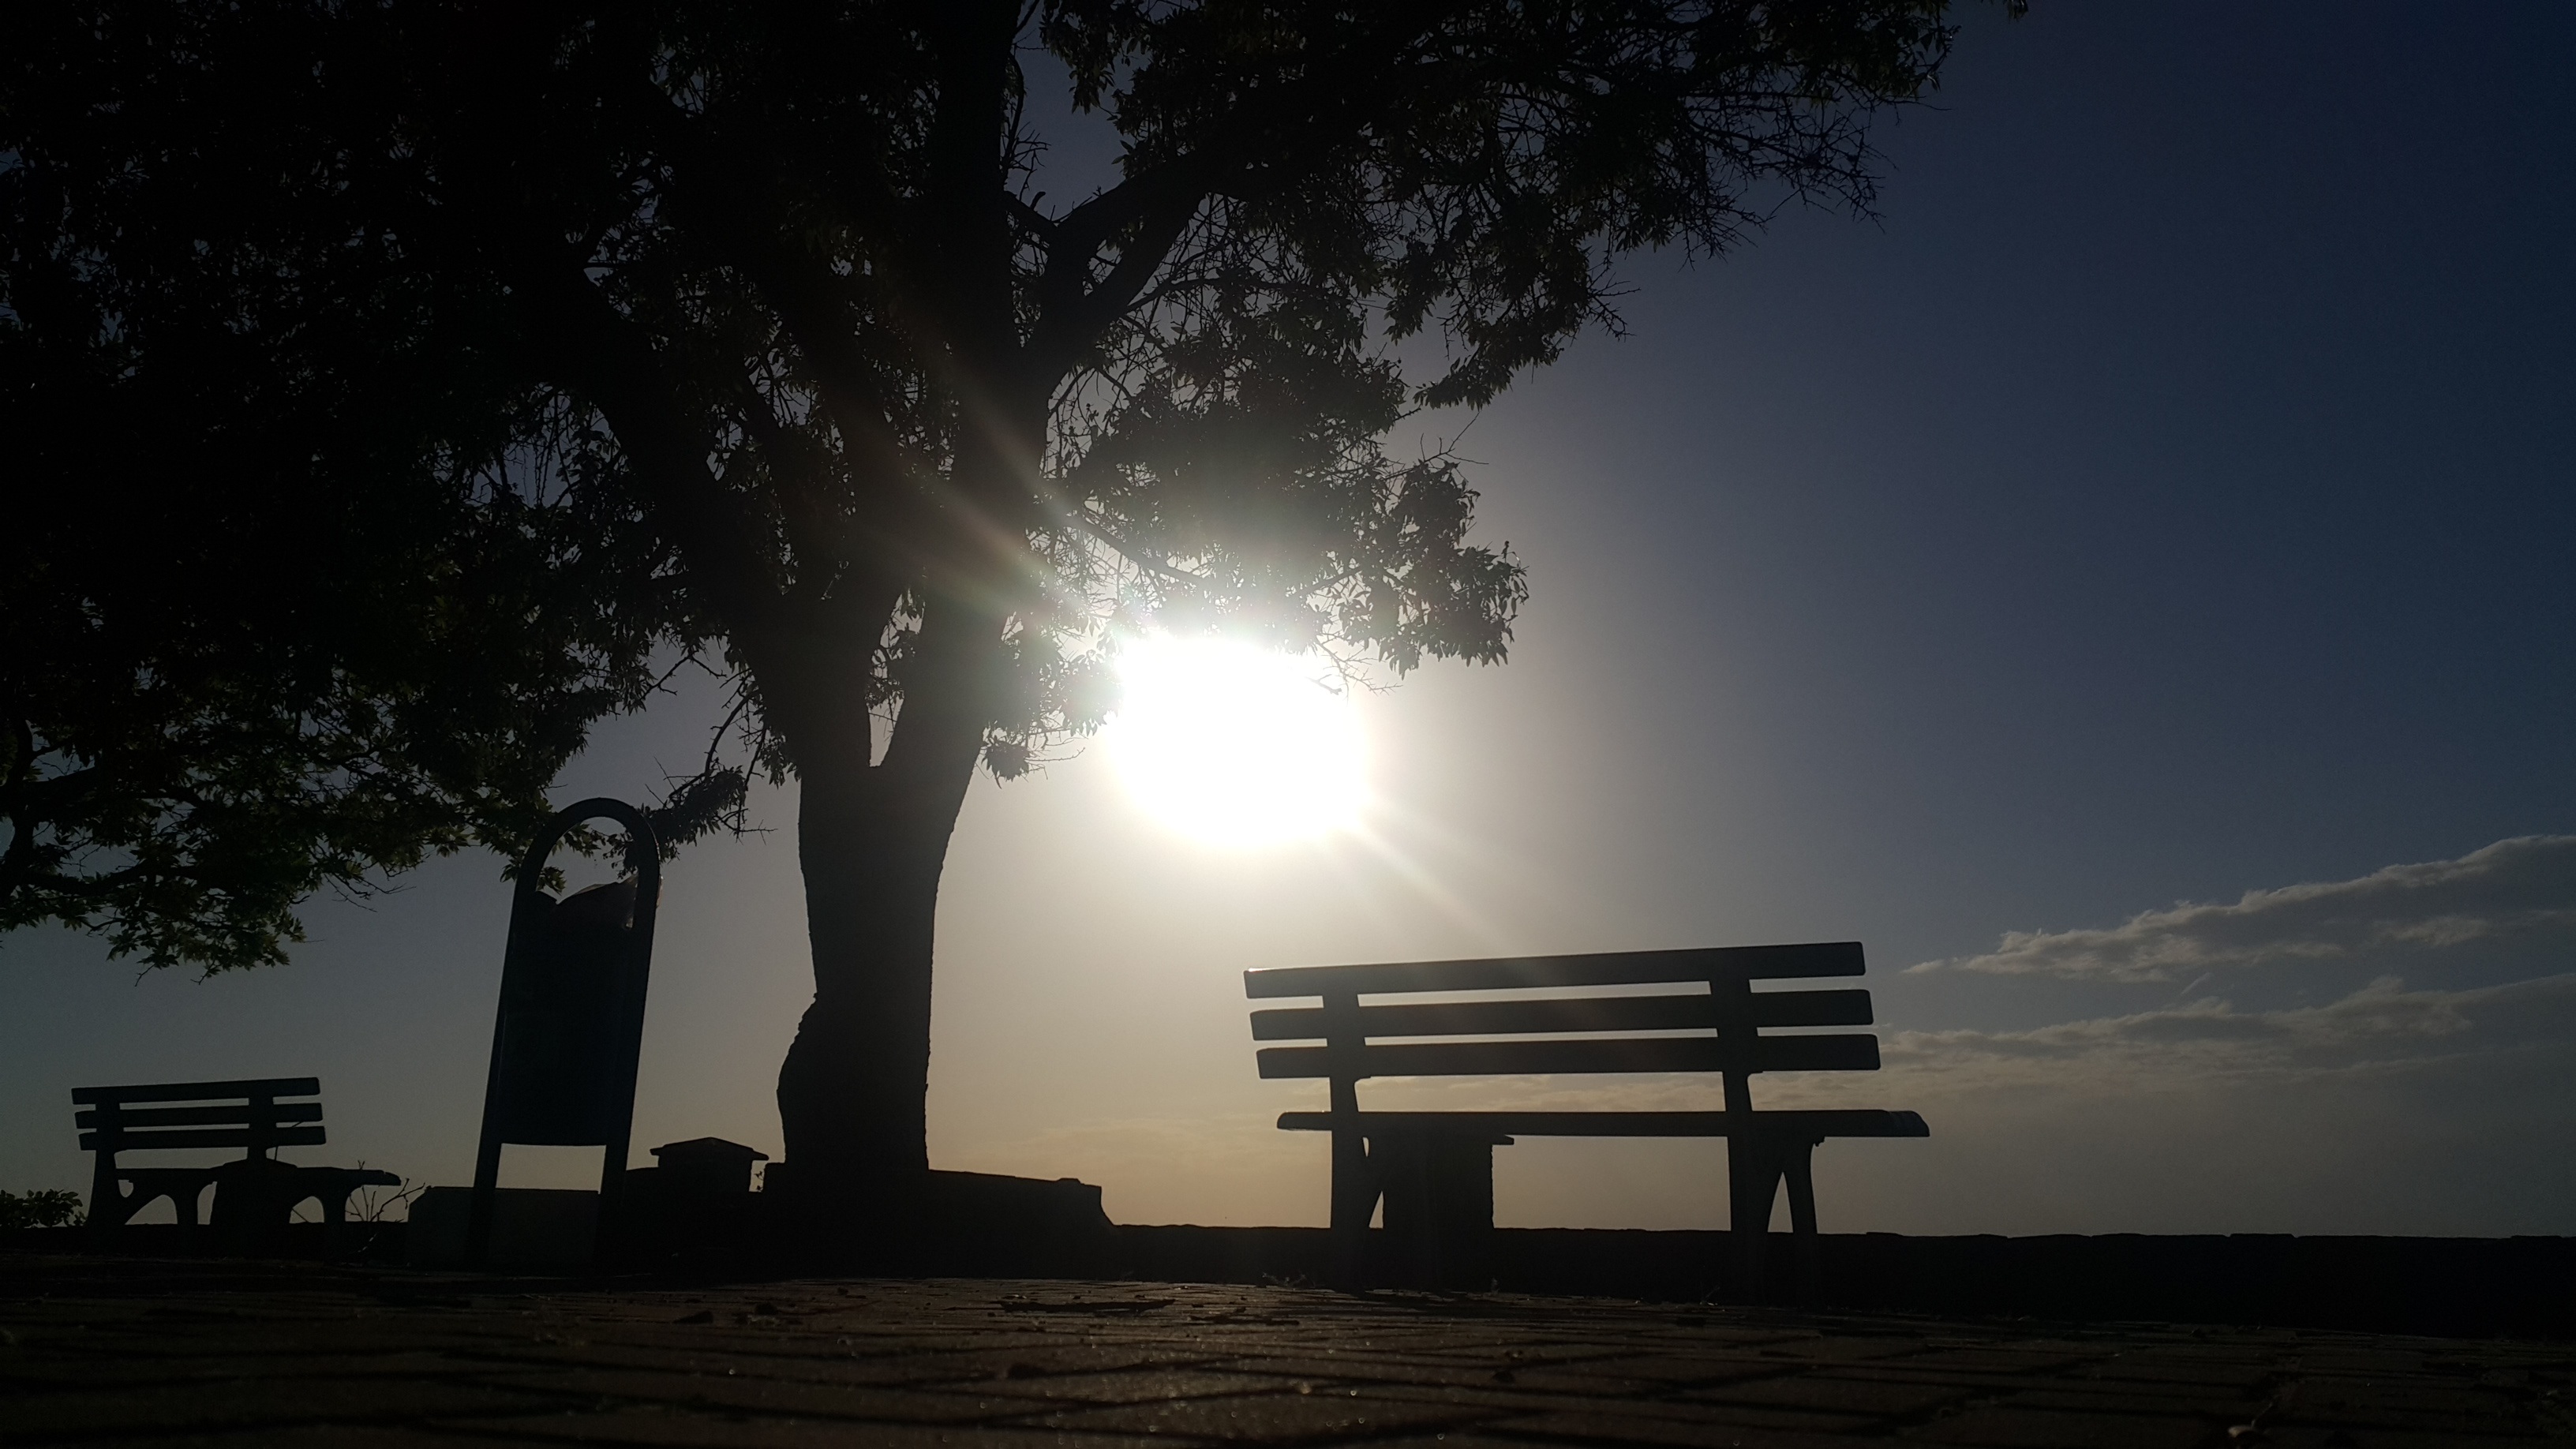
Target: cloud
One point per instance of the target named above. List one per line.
(2519, 892)
(2381, 1029)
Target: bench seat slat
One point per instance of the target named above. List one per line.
(173, 1137)
(1538, 1058)
(127, 1119)
(202, 1091)
(1811, 1124)
(1616, 968)
(1595, 1013)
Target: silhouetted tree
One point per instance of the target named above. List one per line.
(763, 325)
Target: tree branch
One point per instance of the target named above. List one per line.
(1072, 317)
(611, 361)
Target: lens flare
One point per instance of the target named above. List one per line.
(1237, 746)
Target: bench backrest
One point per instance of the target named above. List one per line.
(1710, 997)
(251, 1114)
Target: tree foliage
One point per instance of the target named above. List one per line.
(408, 375)
(43, 1207)
(294, 596)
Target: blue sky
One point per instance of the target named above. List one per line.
(2165, 499)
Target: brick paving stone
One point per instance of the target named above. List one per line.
(139, 1370)
(2309, 1437)
(1683, 1371)
(2006, 1360)
(1837, 1393)
(2361, 1362)
(1448, 1439)
(2390, 1415)
(1608, 1425)
(2013, 1427)
(1502, 1401)
(686, 1430)
(1142, 1387)
(244, 1401)
(96, 1352)
(855, 1366)
(828, 1368)
(1588, 1385)
(1053, 1358)
(1750, 1416)
(1269, 1418)
(327, 1436)
(1358, 1369)
(2096, 1400)
(730, 1389)
(2146, 1369)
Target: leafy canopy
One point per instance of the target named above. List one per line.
(406, 380)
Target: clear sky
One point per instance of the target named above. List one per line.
(2167, 499)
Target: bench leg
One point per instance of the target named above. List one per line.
(1405, 1185)
(487, 1184)
(1798, 1165)
(335, 1211)
(1753, 1172)
(185, 1201)
(1461, 1180)
(110, 1206)
(116, 1198)
(1439, 1194)
(1355, 1195)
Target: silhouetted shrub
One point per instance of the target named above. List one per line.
(45, 1207)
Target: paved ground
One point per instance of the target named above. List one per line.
(97, 1353)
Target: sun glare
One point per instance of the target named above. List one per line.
(1234, 745)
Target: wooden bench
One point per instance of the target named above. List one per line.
(255, 1195)
(1434, 1170)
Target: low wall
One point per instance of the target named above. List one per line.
(2460, 1287)
(369, 1243)
(2523, 1287)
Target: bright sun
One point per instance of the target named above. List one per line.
(1235, 745)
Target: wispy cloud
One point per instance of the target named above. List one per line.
(2383, 1027)
(2520, 891)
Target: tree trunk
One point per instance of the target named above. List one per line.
(851, 1094)
(873, 840)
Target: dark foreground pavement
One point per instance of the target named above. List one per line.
(110, 1352)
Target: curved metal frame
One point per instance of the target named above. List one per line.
(644, 856)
